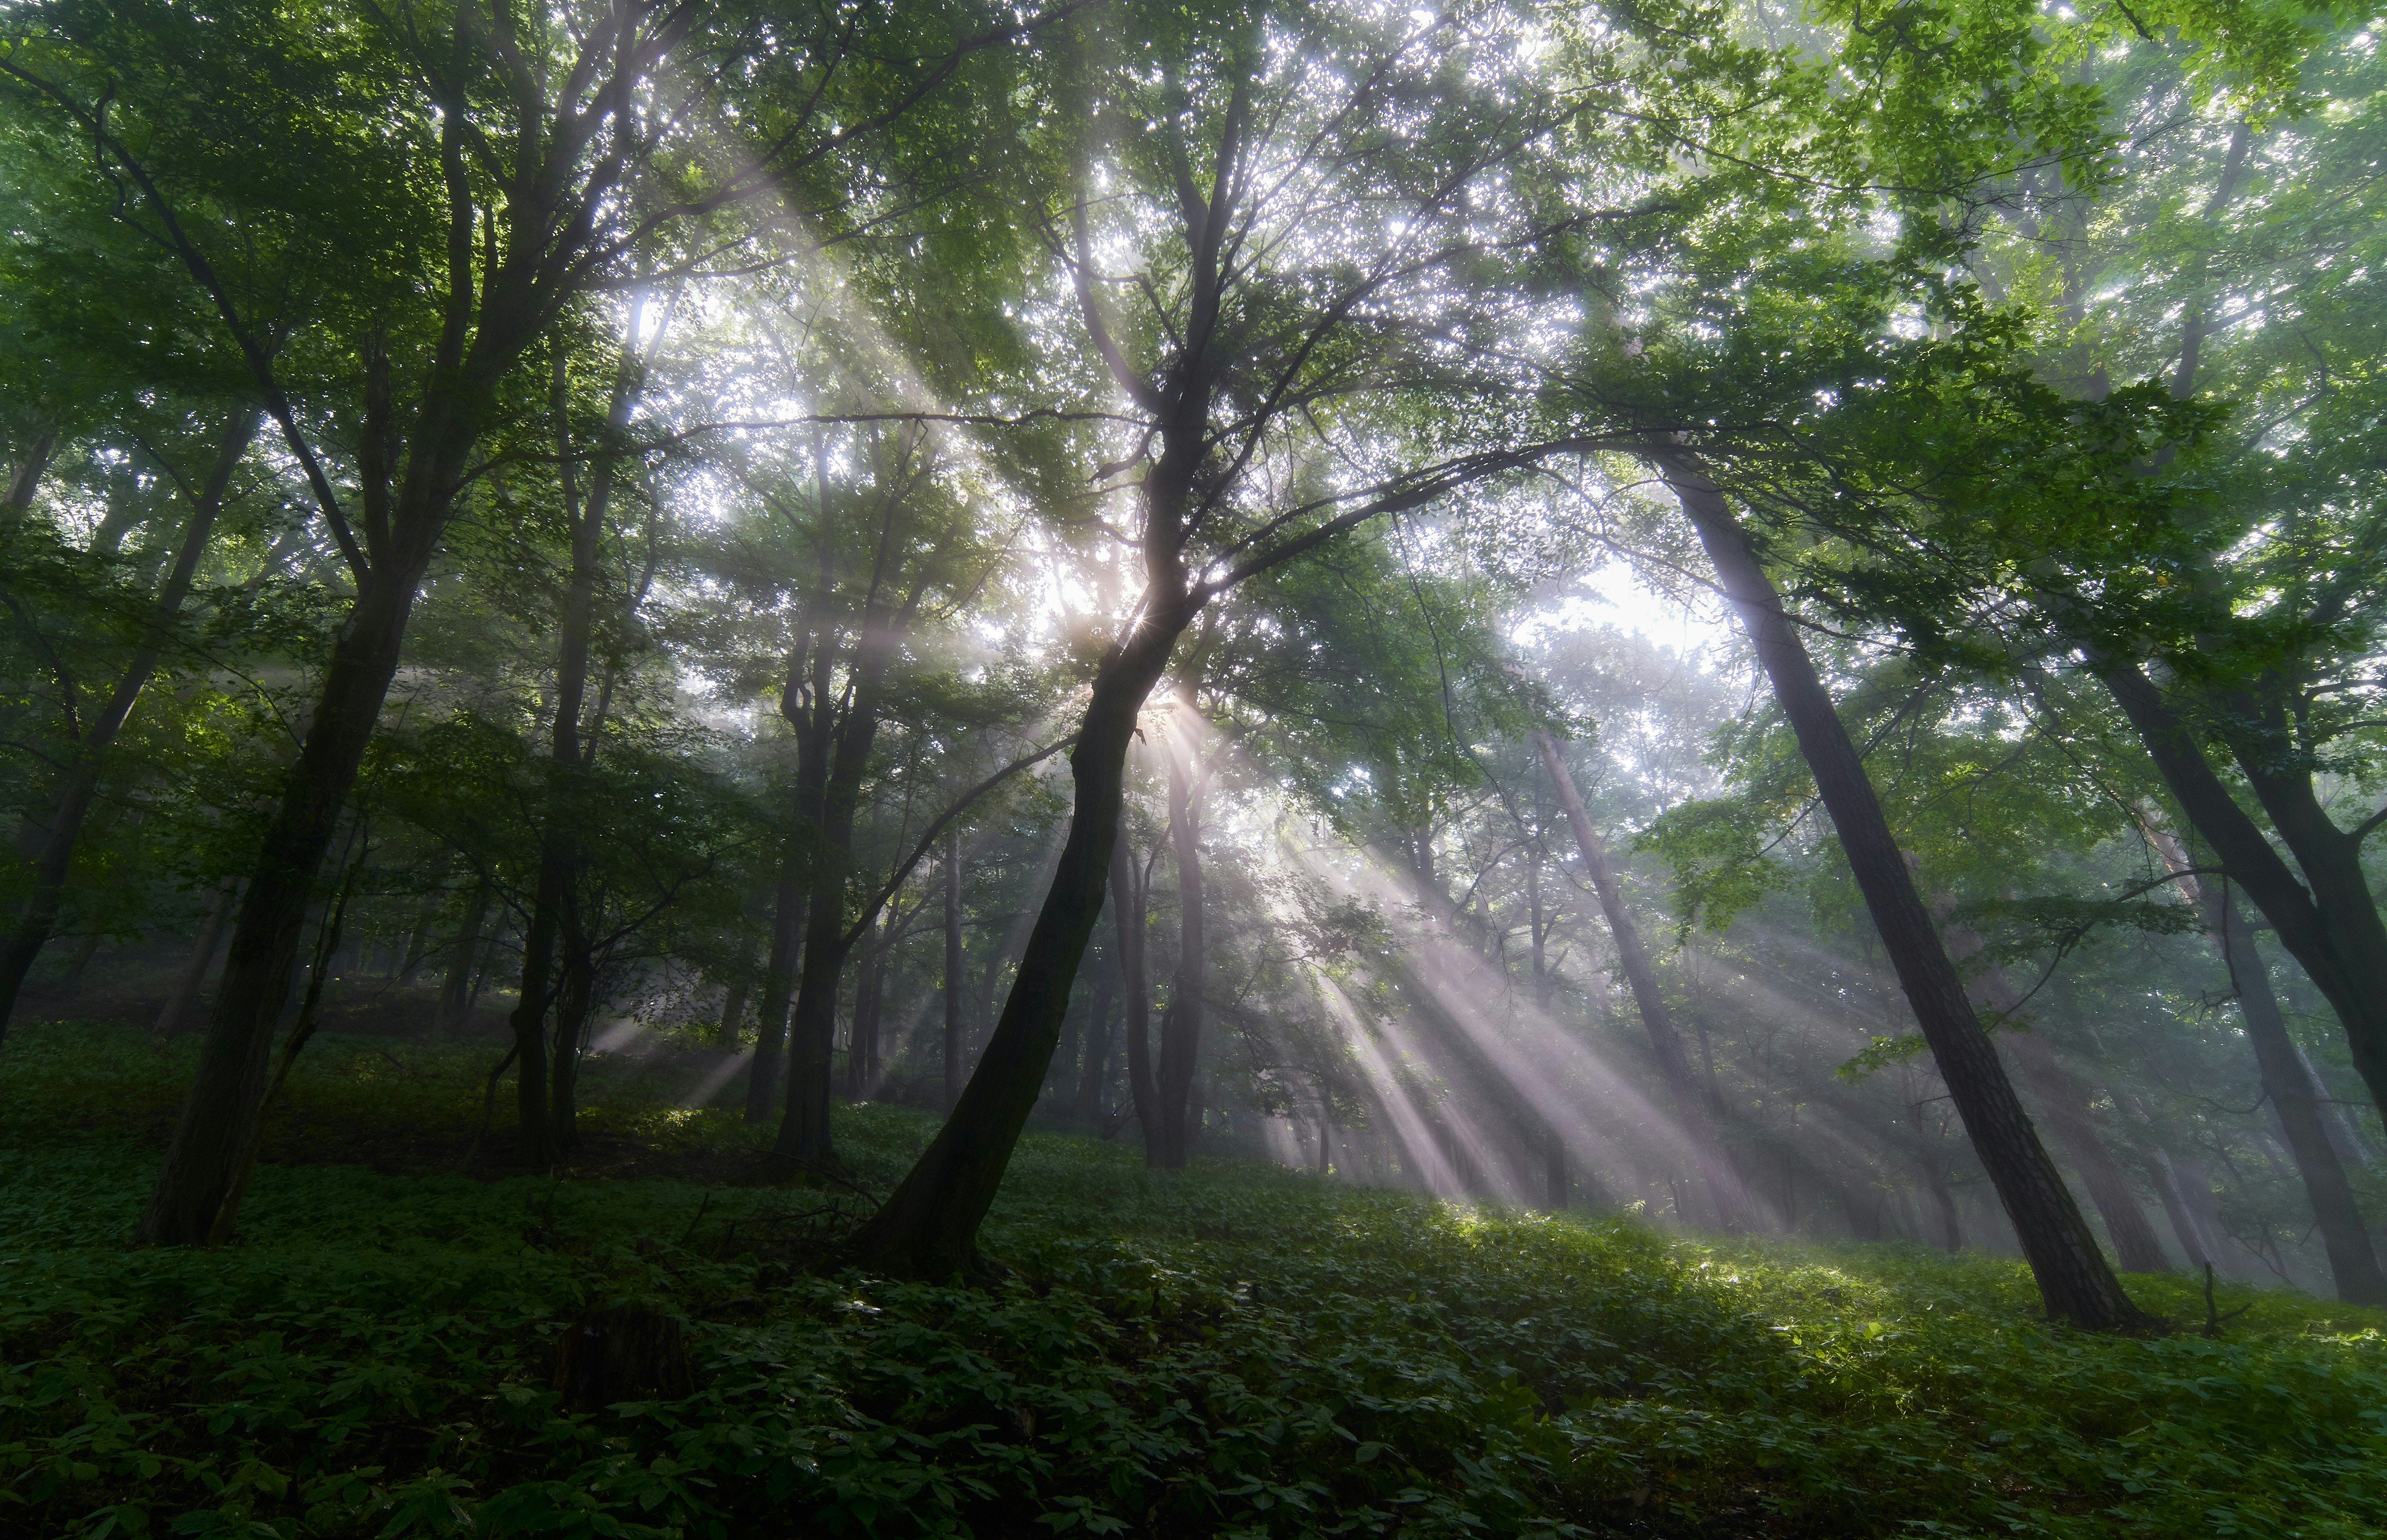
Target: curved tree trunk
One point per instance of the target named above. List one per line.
(928, 1225)
(1728, 1198)
(2075, 1282)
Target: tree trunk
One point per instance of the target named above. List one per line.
(2135, 1244)
(1557, 1187)
(862, 1045)
(25, 476)
(543, 1118)
(2288, 1085)
(456, 986)
(1181, 1024)
(804, 1134)
(79, 782)
(956, 1019)
(575, 1002)
(928, 1226)
(733, 1011)
(1727, 1196)
(2074, 1281)
(224, 1099)
(1093, 1065)
(779, 983)
(2183, 1224)
(193, 975)
(1128, 907)
(2329, 929)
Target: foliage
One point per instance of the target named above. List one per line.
(1231, 1351)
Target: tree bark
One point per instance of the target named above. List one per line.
(575, 1002)
(2075, 1282)
(1128, 909)
(1181, 1024)
(1726, 1197)
(87, 757)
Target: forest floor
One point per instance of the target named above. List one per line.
(1236, 1350)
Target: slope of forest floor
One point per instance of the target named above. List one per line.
(1234, 1350)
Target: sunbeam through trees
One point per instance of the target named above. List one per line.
(1116, 728)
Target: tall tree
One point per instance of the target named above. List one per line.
(2075, 1283)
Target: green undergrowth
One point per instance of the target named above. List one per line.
(1234, 1350)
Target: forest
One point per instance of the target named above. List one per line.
(1022, 767)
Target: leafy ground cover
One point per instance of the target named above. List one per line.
(1237, 1351)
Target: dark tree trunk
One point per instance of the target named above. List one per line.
(193, 975)
(2288, 1085)
(1728, 1198)
(779, 983)
(733, 1013)
(1181, 1024)
(225, 1097)
(956, 1019)
(528, 1020)
(87, 756)
(575, 1002)
(1128, 900)
(2075, 1282)
(804, 1136)
(2330, 928)
(25, 476)
(928, 1226)
(861, 1046)
(1557, 1186)
(1093, 1066)
(544, 1116)
(456, 986)
(2183, 1224)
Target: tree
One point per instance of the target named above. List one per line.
(1222, 379)
(549, 174)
